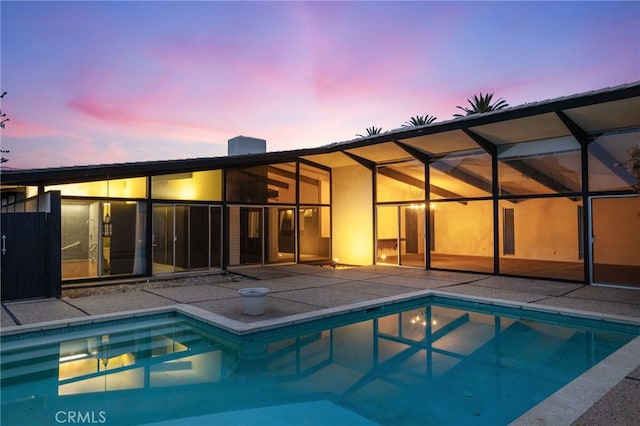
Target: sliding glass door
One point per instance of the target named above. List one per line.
(615, 237)
(261, 235)
(102, 238)
(401, 235)
(186, 237)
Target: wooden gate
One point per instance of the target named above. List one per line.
(29, 255)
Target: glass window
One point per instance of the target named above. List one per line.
(608, 154)
(542, 167)
(201, 186)
(462, 235)
(274, 183)
(103, 238)
(186, 237)
(314, 185)
(281, 183)
(616, 228)
(315, 233)
(245, 235)
(461, 175)
(400, 182)
(30, 191)
(215, 228)
(114, 188)
(124, 251)
(280, 236)
(541, 237)
(400, 235)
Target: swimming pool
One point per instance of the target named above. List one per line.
(432, 360)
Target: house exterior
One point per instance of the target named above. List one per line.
(539, 190)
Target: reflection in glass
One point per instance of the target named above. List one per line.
(274, 183)
(607, 155)
(461, 175)
(544, 167)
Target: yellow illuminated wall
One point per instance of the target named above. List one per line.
(545, 229)
(352, 212)
(30, 191)
(196, 186)
(115, 188)
(465, 229)
(616, 230)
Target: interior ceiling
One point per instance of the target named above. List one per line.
(310, 171)
(593, 118)
(381, 153)
(541, 126)
(439, 143)
(331, 159)
(457, 187)
(607, 115)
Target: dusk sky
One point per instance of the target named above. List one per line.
(107, 82)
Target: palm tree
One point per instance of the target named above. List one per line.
(481, 104)
(2, 125)
(420, 120)
(371, 131)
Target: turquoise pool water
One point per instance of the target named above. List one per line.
(430, 361)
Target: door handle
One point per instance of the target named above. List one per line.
(4, 245)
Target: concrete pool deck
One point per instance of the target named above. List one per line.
(299, 291)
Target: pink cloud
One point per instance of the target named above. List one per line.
(17, 128)
(102, 111)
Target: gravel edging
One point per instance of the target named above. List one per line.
(92, 289)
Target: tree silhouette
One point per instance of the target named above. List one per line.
(2, 124)
(371, 131)
(420, 120)
(482, 103)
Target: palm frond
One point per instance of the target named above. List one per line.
(371, 131)
(420, 120)
(482, 103)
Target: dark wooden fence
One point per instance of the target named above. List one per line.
(30, 254)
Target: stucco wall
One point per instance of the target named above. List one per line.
(545, 229)
(352, 215)
(464, 229)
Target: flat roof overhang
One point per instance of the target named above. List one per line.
(571, 116)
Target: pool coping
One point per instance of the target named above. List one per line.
(565, 406)
(242, 328)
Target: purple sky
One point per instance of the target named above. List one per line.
(103, 82)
